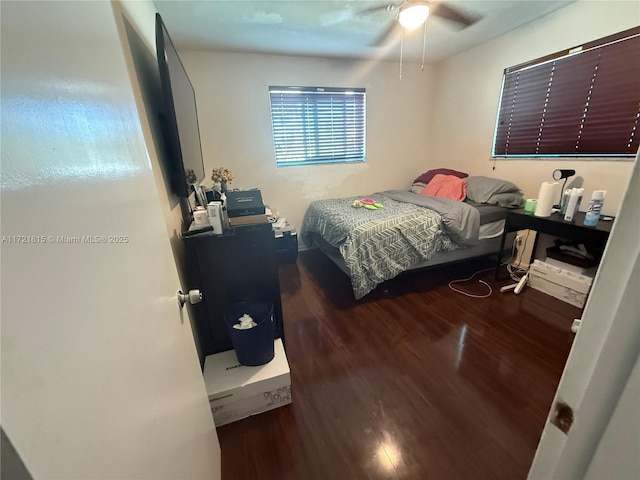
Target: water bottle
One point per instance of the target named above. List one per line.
(595, 208)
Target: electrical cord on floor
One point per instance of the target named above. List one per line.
(516, 273)
(507, 263)
(472, 295)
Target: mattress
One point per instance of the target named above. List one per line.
(491, 220)
(489, 213)
(491, 230)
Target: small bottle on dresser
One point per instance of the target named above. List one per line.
(215, 217)
(225, 216)
(200, 216)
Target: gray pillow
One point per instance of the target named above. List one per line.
(417, 187)
(507, 200)
(480, 189)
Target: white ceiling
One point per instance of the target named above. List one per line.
(334, 28)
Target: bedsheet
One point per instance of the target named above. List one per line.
(377, 245)
(460, 220)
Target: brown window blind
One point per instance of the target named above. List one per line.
(582, 102)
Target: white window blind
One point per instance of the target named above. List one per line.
(581, 102)
(318, 124)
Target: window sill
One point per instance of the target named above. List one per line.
(327, 162)
(556, 158)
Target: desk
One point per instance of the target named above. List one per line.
(555, 225)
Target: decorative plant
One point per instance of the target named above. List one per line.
(190, 176)
(221, 175)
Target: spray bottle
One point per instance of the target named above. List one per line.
(595, 208)
(574, 203)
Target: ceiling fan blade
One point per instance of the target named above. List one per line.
(384, 36)
(379, 8)
(442, 10)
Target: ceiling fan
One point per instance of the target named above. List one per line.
(410, 14)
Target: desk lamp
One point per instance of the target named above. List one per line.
(559, 174)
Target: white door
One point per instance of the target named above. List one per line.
(600, 367)
(100, 376)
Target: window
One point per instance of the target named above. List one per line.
(318, 125)
(582, 102)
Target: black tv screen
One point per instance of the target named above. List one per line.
(179, 116)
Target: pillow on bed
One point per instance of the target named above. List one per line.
(426, 177)
(480, 189)
(507, 200)
(417, 187)
(446, 186)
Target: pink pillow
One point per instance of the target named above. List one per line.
(427, 176)
(446, 186)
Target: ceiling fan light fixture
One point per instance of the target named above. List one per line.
(413, 15)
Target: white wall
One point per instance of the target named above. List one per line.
(235, 124)
(468, 90)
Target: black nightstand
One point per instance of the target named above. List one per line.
(237, 266)
(285, 244)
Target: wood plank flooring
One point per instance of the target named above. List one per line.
(414, 381)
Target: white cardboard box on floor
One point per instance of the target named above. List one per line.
(562, 277)
(589, 272)
(236, 391)
(560, 292)
(562, 284)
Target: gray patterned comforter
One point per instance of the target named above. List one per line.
(377, 245)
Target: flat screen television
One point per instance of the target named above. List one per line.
(178, 117)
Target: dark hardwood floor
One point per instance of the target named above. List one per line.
(414, 381)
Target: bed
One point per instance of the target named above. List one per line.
(411, 231)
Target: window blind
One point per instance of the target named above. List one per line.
(581, 102)
(318, 125)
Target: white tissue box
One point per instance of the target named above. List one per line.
(236, 391)
(562, 284)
